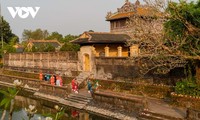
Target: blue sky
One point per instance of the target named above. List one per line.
(63, 16)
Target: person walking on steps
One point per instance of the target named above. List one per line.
(89, 86)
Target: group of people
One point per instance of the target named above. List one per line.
(74, 85)
(90, 88)
(54, 79)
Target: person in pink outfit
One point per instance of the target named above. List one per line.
(76, 87)
(73, 84)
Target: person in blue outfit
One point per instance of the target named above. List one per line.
(89, 86)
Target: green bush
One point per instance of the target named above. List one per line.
(187, 87)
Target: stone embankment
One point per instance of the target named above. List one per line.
(81, 101)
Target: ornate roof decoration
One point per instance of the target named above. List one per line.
(129, 9)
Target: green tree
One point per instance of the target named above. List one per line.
(37, 34)
(7, 32)
(49, 48)
(183, 26)
(69, 37)
(55, 36)
(70, 47)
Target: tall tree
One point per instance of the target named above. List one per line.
(7, 32)
(183, 27)
(178, 40)
(37, 34)
(55, 35)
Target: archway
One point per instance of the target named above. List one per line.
(86, 62)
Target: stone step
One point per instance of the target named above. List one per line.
(80, 96)
(77, 101)
(72, 104)
(150, 117)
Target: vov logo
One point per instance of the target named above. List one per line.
(23, 12)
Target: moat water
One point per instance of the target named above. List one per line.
(46, 108)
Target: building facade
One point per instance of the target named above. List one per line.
(122, 32)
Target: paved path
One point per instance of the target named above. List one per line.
(161, 107)
(158, 108)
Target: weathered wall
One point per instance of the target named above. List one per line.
(120, 68)
(62, 62)
(114, 68)
(119, 101)
(113, 51)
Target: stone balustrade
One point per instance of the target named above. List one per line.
(121, 101)
(34, 83)
(54, 90)
(42, 86)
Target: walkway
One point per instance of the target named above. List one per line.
(157, 108)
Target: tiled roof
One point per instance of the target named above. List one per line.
(120, 15)
(37, 43)
(102, 37)
(140, 11)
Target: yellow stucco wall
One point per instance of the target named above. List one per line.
(112, 50)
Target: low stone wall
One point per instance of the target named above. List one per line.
(122, 68)
(186, 101)
(193, 114)
(34, 83)
(54, 90)
(120, 101)
(42, 86)
(137, 88)
(66, 80)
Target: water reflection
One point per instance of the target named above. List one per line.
(46, 108)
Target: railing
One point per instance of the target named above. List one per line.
(119, 101)
(41, 85)
(34, 83)
(54, 90)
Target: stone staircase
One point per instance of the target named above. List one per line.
(82, 77)
(78, 100)
(148, 115)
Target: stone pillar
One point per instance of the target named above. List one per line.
(93, 50)
(134, 50)
(106, 51)
(119, 51)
